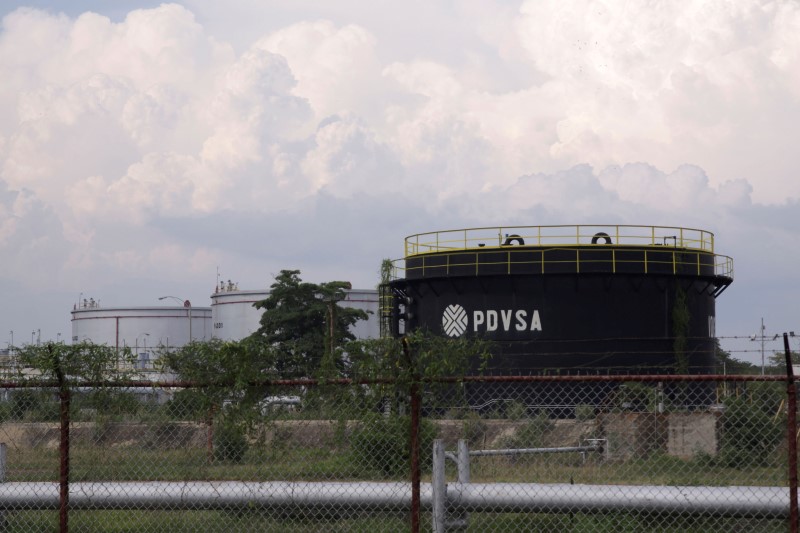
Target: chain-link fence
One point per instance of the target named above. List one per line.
(571, 453)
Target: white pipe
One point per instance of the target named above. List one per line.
(739, 501)
(209, 495)
(521, 451)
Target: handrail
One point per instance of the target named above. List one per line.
(556, 236)
(679, 261)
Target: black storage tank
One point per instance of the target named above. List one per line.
(568, 299)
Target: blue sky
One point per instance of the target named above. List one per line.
(145, 145)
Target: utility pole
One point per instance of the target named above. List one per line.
(762, 345)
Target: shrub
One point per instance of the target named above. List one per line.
(185, 405)
(230, 443)
(383, 444)
(749, 435)
(584, 412)
(473, 428)
(531, 434)
(516, 410)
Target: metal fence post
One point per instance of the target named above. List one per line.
(439, 487)
(3, 457)
(463, 461)
(791, 435)
(415, 468)
(63, 481)
(459, 519)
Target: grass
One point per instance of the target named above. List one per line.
(328, 457)
(124, 521)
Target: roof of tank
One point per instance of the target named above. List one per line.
(532, 250)
(556, 236)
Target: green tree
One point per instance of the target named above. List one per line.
(227, 395)
(776, 363)
(74, 363)
(727, 364)
(225, 370)
(305, 326)
(74, 366)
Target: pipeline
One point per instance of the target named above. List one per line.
(739, 501)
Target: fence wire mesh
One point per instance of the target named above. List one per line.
(499, 454)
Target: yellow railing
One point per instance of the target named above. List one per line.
(558, 236)
(679, 262)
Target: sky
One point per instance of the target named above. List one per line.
(147, 147)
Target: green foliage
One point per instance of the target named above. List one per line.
(749, 434)
(186, 404)
(516, 410)
(21, 402)
(298, 320)
(584, 412)
(776, 363)
(726, 364)
(71, 364)
(635, 397)
(386, 271)
(230, 443)
(680, 331)
(530, 434)
(32, 405)
(384, 444)
(424, 356)
(227, 372)
(415, 359)
(70, 367)
(473, 428)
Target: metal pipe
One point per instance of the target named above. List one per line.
(769, 502)
(739, 501)
(522, 451)
(439, 487)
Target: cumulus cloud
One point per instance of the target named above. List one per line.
(153, 147)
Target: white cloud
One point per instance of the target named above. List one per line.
(156, 145)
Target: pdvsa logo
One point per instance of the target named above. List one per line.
(455, 320)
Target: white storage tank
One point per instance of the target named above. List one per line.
(234, 317)
(145, 330)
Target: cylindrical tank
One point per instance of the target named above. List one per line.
(569, 299)
(234, 317)
(144, 330)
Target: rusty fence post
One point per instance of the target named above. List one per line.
(63, 478)
(791, 435)
(414, 439)
(415, 469)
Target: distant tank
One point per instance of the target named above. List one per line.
(234, 316)
(144, 330)
(567, 299)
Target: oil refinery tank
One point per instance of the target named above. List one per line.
(567, 299)
(234, 316)
(144, 330)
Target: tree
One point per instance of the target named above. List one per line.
(227, 394)
(305, 326)
(776, 363)
(727, 364)
(73, 366)
(224, 370)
